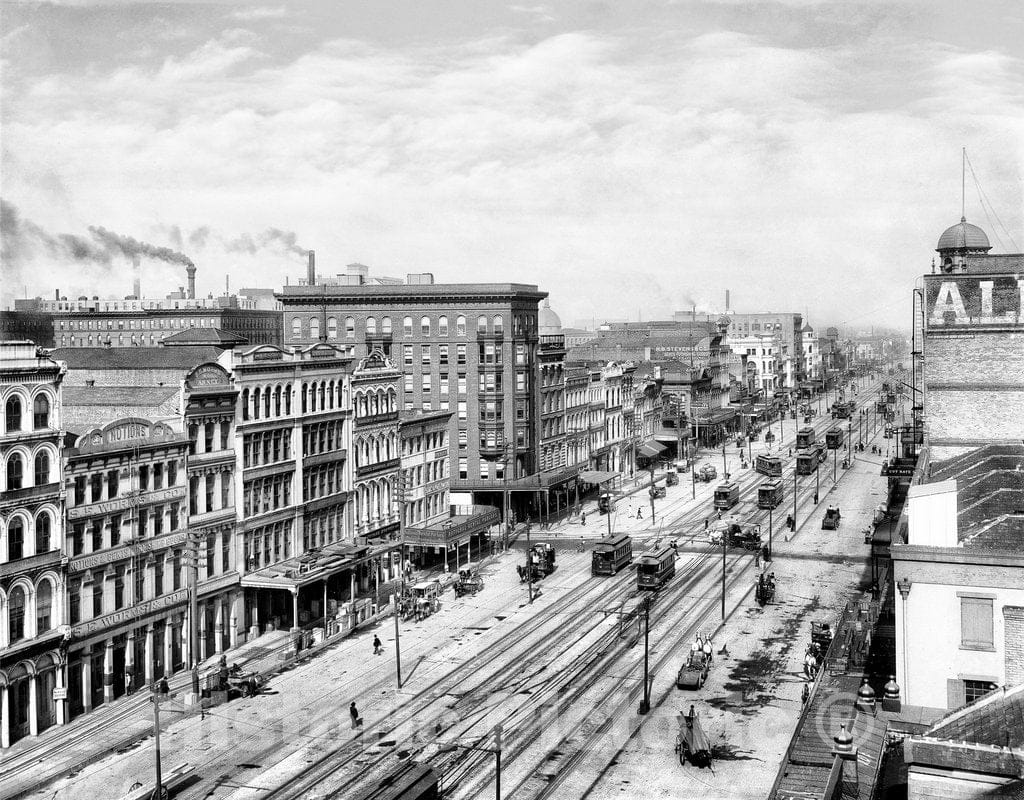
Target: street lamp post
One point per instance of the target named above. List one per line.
(651, 490)
(725, 540)
(793, 528)
(496, 751)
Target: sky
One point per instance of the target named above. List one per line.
(630, 158)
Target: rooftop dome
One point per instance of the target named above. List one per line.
(548, 321)
(963, 236)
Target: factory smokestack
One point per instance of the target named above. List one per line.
(136, 278)
(726, 301)
(311, 270)
(191, 270)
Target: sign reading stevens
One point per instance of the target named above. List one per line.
(955, 302)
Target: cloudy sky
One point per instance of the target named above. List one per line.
(628, 157)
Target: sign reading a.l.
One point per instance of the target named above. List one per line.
(955, 302)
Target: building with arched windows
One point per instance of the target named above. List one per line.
(32, 587)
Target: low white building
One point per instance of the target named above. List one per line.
(960, 580)
(761, 351)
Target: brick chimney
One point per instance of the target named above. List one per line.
(311, 269)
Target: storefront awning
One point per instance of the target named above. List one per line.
(651, 449)
(308, 568)
(597, 476)
(455, 530)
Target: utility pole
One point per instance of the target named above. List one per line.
(645, 704)
(529, 565)
(400, 495)
(725, 541)
(793, 529)
(651, 491)
(725, 468)
(193, 600)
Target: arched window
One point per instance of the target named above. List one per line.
(41, 412)
(15, 539)
(43, 533)
(296, 328)
(350, 327)
(460, 325)
(442, 325)
(256, 403)
(42, 471)
(44, 608)
(499, 324)
(16, 614)
(481, 324)
(277, 401)
(288, 399)
(332, 328)
(425, 326)
(385, 325)
(245, 404)
(13, 412)
(314, 328)
(15, 472)
(407, 326)
(371, 325)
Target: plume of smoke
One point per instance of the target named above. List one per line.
(129, 246)
(199, 236)
(21, 237)
(271, 237)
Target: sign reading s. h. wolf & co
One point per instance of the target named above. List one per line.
(958, 302)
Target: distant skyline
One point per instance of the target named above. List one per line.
(623, 156)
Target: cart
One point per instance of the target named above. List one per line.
(244, 684)
(693, 672)
(707, 473)
(764, 589)
(821, 636)
(831, 520)
(671, 479)
(657, 492)
(692, 743)
(469, 582)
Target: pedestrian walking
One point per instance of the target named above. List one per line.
(164, 686)
(582, 545)
(708, 650)
(127, 683)
(378, 648)
(757, 559)
(357, 721)
(583, 519)
(639, 513)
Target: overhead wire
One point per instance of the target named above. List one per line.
(983, 198)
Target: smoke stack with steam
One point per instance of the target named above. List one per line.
(311, 269)
(136, 278)
(191, 270)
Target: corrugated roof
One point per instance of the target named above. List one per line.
(204, 336)
(183, 358)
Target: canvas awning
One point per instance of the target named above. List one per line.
(651, 449)
(597, 476)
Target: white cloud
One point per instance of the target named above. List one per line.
(616, 170)
(258, 13)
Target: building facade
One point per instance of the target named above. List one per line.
(468, 348)
(32, 577)
(786, 329)
(128, 550)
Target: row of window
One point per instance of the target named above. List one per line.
(321, 437)
(205, 486)
(322, 527)
(111, 531)
(137, 324)
(268, 494)
(14, 470)
(435, 440)
(14, 412)
(495, 325)
(18, 611)
(16, 534)
(267, 447)
(268, 545)
(322, 480)
(151, 477)
(216, 436)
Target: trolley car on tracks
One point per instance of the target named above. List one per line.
(768, 465)
(726, 495)
(609, 557)
(655, 570)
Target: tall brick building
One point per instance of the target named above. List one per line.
(468, 348)
(959, 569)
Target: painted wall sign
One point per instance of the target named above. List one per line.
(122, 503)
(267, 355)
(955, 302)
(120, 553)
(130, 613)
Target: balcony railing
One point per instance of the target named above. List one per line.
(18, 496)
(496, 336)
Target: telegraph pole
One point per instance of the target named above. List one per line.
(651, 492)
(725, 541)
(400, 494)
(645, 704)
(793, 529)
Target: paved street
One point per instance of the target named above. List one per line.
(494, 657)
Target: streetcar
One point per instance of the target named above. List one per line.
(606, 503)
(807, 462)
(769, 494)
(408, 781)
(654, 571)
(804, 438)
(727, 495)
(609, 557)
(834, 439)
(768, 465)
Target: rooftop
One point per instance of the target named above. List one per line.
(377, 291)
(963, 236)
(142, 396)
(214, 337)
(990, 499)
(996, 719)
(106, 358)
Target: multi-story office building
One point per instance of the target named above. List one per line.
(209, 404)
(376, 447)
(787, 329)
(293, 482)
(551, 366)
(31, 533)
(127, 544)
(469, 348)
(577, 415)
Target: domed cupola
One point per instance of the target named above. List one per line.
(957, 242)
(548, 322)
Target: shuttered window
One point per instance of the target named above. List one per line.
(976, 622)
